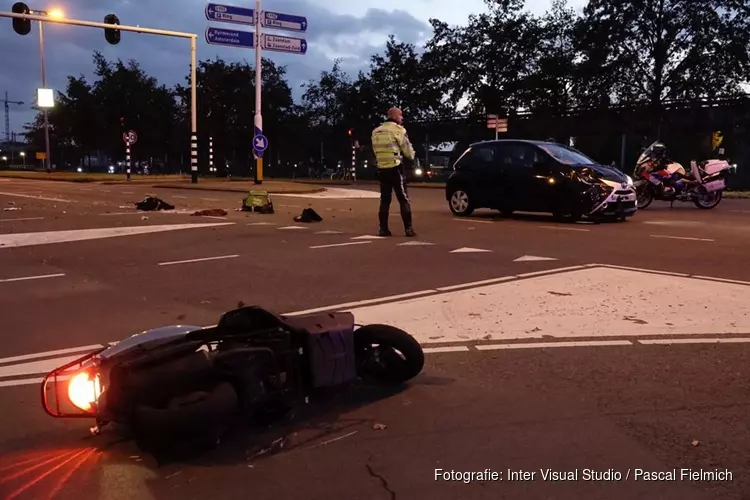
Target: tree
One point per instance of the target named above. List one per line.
(657, 50)
(401, 77)
(552, 83)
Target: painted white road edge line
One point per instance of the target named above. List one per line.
(731, 340)
(679, 237)
(25, 381)
(19, 195)
(642, 270)
(722, 280)
(204, 259)
(26, 278)
(60, 352)
(343, 244)
(21, 218)
(544, 345)
(475, 220)
(565, 228)
(436, 350)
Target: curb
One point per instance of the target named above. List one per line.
(238, 190)
(420, 185)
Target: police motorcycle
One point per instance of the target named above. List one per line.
(657, 177)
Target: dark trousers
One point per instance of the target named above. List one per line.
(392, 180)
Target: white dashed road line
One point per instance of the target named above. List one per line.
(27, 278)
(204, 259)
(343, 244)
(566, 228)
(679, 237)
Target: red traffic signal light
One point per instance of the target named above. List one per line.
(21, 26)
(350, 132)
(111, 35)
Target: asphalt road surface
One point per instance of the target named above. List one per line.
(614, 351)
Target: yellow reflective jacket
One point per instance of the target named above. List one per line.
(389, 142)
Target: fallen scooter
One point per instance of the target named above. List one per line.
(167, 383)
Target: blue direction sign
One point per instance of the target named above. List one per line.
(230, 14)
(260, 143)
(287, 44)
(230, 38)
(286, 22)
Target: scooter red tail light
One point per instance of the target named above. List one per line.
(72, 390)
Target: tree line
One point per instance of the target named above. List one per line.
(616, 52)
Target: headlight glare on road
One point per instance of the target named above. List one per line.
(84, 390)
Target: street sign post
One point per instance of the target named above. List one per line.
(287, 44)
(234, 38)
(260, 143)
(284, 22)
(230, 14)
(230, 38)
(130, 137)
(499, 124)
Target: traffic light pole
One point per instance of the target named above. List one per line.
(47, 159)
(149, 31)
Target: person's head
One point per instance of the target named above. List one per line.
(396, 115)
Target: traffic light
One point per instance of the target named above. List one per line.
(350, 132)
(111, 35)
(21, 26)
(122, 121)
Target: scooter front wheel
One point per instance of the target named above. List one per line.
(387, 354)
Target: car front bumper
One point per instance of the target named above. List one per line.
(621, 202)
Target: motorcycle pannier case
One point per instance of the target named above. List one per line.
(330, 346)
(714, 166)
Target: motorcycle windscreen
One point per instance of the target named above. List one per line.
(647, 153)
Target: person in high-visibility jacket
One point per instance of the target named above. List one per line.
(390, 145)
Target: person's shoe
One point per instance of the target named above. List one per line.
(410, 232)
(384, 232)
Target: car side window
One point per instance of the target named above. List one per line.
(483, 158)
(519, 156)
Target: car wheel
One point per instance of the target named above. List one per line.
(460, 203)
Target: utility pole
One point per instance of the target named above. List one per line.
(7, 115)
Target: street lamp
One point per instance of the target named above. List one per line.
(57, 14)
(23, 157)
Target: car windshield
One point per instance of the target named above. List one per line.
(566, 156)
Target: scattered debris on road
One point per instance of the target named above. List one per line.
(11, 209)
(379, 427)
(308, 215)
(152, 203)
(258, 201)
(211, 212)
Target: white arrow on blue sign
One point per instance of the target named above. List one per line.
(286, 22)
(287, 44)
(260, 143)
(230, 38)
(230, 14)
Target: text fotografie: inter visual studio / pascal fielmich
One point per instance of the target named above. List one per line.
(583, 475)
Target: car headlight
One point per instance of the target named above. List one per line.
(418, 171)
(84, 390)
(630, 180)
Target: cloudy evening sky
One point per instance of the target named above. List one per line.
(337, 29)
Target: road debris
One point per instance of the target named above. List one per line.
(379, 427)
